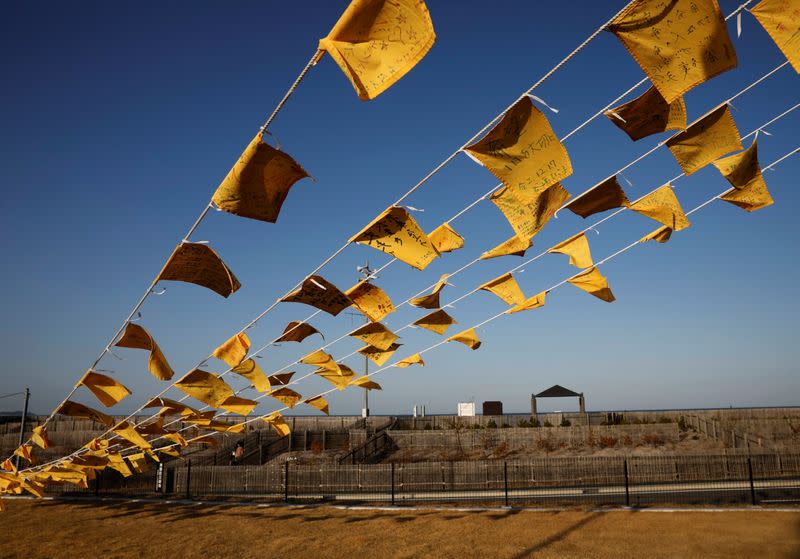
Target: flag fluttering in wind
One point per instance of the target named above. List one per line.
(781, 19)
(708, 138)
(370, 300)
(136, 337)
(319, 293)
(396, 233)
(648, 114)
(197, 263)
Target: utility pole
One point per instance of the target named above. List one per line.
(365, 274)
(22, 424)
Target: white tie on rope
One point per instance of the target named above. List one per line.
(475, 159)
(739, 25)
(315, 282)
(626, 180)
(108, 350)
(542, 101)
(136, 318)
(616, 115)
(593, 229)
(214, 207)
(762, 132)
(196, 242)
(413, 209)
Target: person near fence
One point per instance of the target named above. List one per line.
(238, 454)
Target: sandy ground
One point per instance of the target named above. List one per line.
(119, 529)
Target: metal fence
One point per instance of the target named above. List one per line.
(632, 481)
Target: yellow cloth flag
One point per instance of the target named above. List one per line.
(33, 487)
(606, 195)
(129, 433)
(318, 402)
(170, 407)
(515, 246)
(105, 388)
(117, 462)
(395, 232)
(39, 437)
(742, 168)
(208, 440)
(235, 404)
(319, 293)
(752, 197)
(199, 417)
(376, 42)
(375, 334)
(297, 331)
(437, 321)
(679, 44)
(136, 337)
(705, 140)
(445, 239)
(595, 283)
(781, 19)
(468, 337)
(197, 263)
(415, 359)
(26, 451)
(648, 114)
(366, 383)
(660, 235)
(206, 387)
(233, 350)
(280, 379)
(153, 428)
(577, 248)
(170, 450)
(8, 465)
(431, 300)
(506, 288)
(286, 396)
(528, 213)
(322, 360)
(97, 445)
(250, 370)
(663, 206)
(276, 421)
(370, 300)
(523, 151)
(530, 303)
(378, 356)
(138, 462)
(259, 182)
(176, 438)
(338, 379)
(74, 409)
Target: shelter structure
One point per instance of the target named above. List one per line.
(558, 391)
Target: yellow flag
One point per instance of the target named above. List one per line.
(319, 293)
(577, 248)
(468, 337)
(138, 462)
(415, 359)
(33, 487)
(592, 281)
(129, 433)
(259, 182)
(395, 232)
(96, 445)
(742, 168)
(74, 409)
(376, 42)
(279, 379)
(318, 402)
(370, 300)
(176, 438)
(523, 151)
(431, 300)
(366, 383)
(663, 206)
(206, 387)
(445, 239)
(208, 440)
(660, 235)
(235, 404)
(705, 140)
(199, 417)
(136, 337)
(515, 246)
(26, 451)
(322, 360)
(752, 197)
(338, 379)
(679, 44)
(197, 263)
(153, 428)
(107, 390)
(276, 421)
(233, 350)
(170, 450)
(437, 321)
(170, 407)
(297, 331)
(530, 303)
(375, 334)
(39, 437)
(528, 213)
(648, 114)
(378, 356)
(603, 196)
(117, 462)
(506, 288)
(250, 370)
(286, 396)
(781, 19)
(8, 465)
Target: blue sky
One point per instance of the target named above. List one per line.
(121, 118)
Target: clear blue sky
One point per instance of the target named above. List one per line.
(121, 118)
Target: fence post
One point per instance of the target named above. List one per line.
(188, 477)
(286, 482)
(627, 484)
(505, 479)
(392, 483)
(97, 478)
(752, 485)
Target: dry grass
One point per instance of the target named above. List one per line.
(54, 529)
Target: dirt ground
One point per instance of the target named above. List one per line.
(125, 529)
